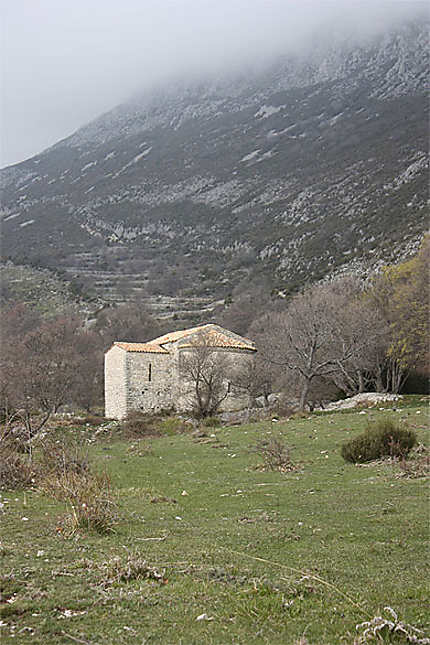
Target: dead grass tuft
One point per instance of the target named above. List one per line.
(133, 567)
(140, 448)
(67, 477)
(90, 499)
(160, 499)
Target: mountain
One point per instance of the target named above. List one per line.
(315, 165)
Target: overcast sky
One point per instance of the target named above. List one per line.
(64, 62)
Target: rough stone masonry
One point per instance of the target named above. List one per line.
(147, 376)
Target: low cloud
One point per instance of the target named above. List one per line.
(66, 62)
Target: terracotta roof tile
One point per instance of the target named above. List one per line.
(173, 336)
(223, 340)
(151, 348)
(217, 336)
(218, 339)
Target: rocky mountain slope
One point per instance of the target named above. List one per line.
(315, 165)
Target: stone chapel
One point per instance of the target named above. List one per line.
(147, 376)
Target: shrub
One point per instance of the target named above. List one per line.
(275, 454)
(173, 425)
(385, 439)
(140, 424)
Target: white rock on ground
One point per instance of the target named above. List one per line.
(363, 397)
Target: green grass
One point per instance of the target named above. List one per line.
(269, 557)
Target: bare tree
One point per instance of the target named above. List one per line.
(15, 322)
(361, 336)
(40, 366)
(298, 340)
(254, 377)
(46, 367)
(205, 372)
(324, 333)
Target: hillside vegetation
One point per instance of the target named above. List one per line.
(46, 291)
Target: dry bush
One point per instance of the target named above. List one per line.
(417, 465)
(61, 457)
(16, 470)
(211, 422)
(138, 424)
(275, 454)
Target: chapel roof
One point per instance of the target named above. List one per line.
(216, 336)
(173, 336)
(151, 348)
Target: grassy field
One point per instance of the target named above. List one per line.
(259, 557)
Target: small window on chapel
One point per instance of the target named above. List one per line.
(149, 372)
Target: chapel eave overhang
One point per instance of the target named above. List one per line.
(142, 348)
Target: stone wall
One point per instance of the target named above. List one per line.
(149, 382)
(183, 388)
(115, 383)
